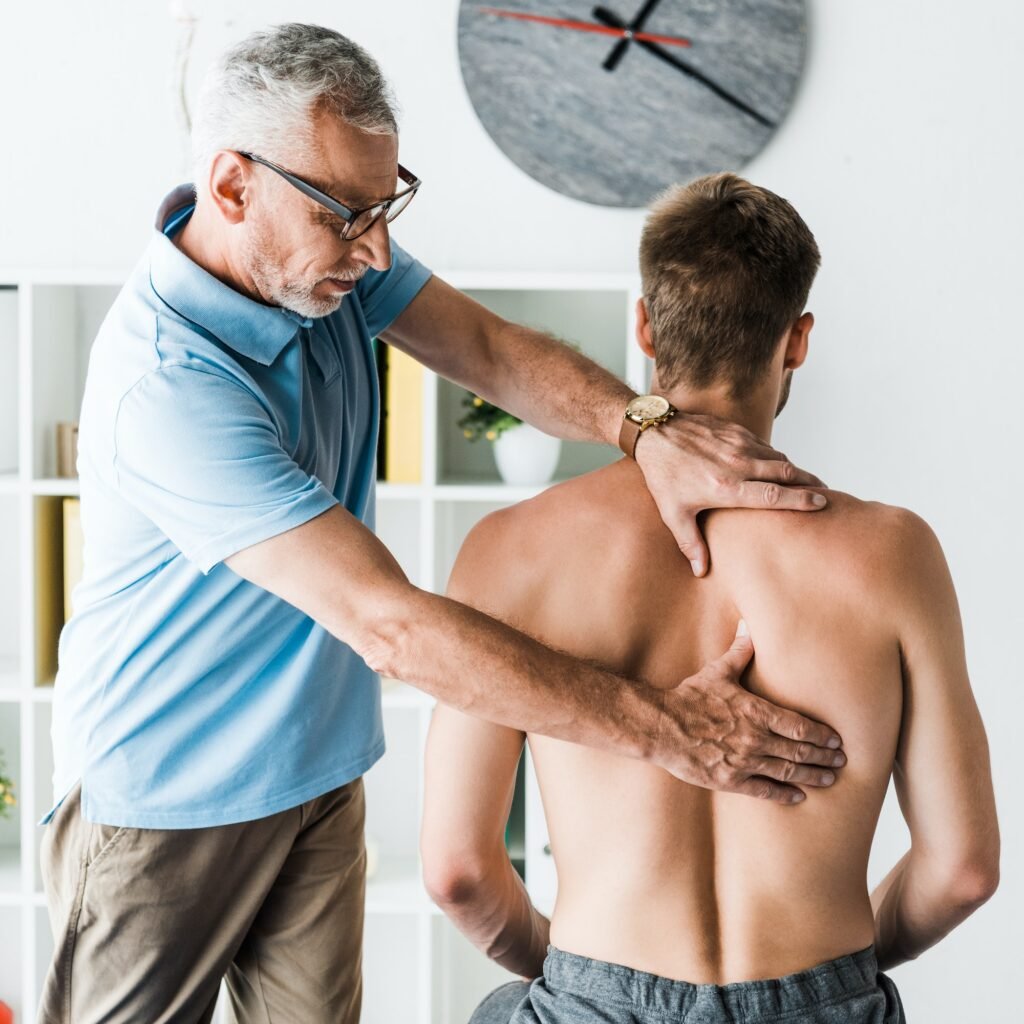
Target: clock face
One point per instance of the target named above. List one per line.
(648, 407)
(611, 104)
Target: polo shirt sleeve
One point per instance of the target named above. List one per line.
(383, 294)
(200, 456)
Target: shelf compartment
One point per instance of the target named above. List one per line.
(42, 775)
(64, 487)
(10, 825)
(597, 321)
(10, 593)
(10, 873)
(398, 527)
(462, 975)
(396, 887)
(399, 492)
(392, 961)
(393, 789)
(65, 319)
(47, 511)
(10, 966)
(9, 379)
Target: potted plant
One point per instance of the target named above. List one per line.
(7, 800)
(523, 453)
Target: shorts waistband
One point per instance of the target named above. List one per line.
(606, 984)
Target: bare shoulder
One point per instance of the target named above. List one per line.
(871, 531)
(520, 556)
(859, 543)
(559, 510)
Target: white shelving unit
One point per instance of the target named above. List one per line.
(417, 968)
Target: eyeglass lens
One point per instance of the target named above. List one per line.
(367, 218)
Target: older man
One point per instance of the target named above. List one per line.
(216, 704)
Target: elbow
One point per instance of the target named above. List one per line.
(454, 878)
(975, 883)
(972, 879)
(380, 645)
(457, 872)
(385, 630)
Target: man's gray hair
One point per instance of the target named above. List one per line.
(261, 95)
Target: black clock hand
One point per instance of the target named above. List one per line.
(606, 17)
(611, 62)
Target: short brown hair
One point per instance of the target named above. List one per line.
(726, 268)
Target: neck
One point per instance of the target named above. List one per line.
(201, 241)
(755, 411)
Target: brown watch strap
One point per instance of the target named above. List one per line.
(629, 434)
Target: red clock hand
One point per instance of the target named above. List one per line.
(587, 26)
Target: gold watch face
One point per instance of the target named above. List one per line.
(647, 407)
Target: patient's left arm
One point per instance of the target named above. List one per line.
(470, 775)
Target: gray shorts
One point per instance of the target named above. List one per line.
(577, 990)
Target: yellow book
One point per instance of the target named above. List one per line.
(403, 423)
(73, 543)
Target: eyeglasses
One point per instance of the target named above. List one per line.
(357, 222)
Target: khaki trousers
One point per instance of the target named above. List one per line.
(147, 922)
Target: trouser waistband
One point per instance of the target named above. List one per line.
(612, 984)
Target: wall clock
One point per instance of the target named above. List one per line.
(610, 103)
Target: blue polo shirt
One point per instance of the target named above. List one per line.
(186, 696)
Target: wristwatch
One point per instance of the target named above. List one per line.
(642, 412)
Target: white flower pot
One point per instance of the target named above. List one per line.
(526, 456)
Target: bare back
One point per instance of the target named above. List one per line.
(654, 873)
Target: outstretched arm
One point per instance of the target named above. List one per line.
(709, 730)
(691, 463)
(942, 774)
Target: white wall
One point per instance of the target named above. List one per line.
(901, 152)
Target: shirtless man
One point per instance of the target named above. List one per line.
(668, 892)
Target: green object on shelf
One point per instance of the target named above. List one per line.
(485, 420)
(7, 798)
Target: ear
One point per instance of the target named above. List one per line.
(643, 328)
(229, 179)
(796, 343)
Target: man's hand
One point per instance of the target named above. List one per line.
(695, 462)
(726, 738)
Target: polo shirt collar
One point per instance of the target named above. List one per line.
(251, 328)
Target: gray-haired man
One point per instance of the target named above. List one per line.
(216, 703)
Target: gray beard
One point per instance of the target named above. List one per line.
(263, 270)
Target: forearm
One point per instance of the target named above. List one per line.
(553, 387)
(496, 915)
(485, 668)
(915, 906)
